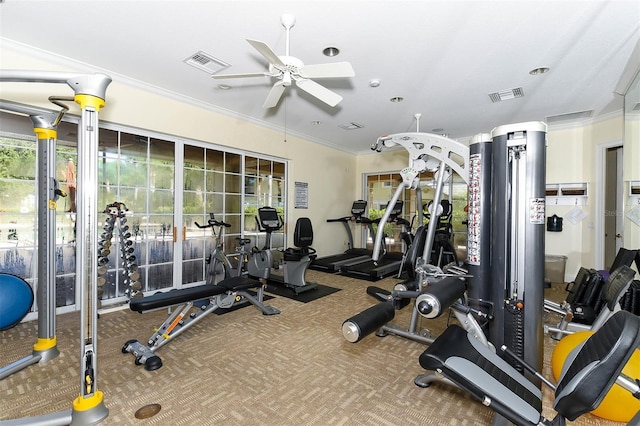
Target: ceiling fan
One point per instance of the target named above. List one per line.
(288, 69)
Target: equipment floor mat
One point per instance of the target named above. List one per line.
(304, 297)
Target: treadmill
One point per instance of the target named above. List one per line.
(334, 263)
(389, 263)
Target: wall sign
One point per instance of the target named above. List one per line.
(301, 195)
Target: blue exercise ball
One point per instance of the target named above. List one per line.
(16, 298)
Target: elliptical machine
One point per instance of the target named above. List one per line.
(443, 251)
(296, 259)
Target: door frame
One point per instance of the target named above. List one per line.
(601, 152)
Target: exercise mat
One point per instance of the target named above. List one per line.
(304, 297)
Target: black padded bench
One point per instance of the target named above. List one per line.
(226, 294)
(184, 295)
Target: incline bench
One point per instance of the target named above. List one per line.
(226, 294)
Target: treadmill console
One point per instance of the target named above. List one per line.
(397, 208)
(358, 208)
(269, 218)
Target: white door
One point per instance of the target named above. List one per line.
(613, 202)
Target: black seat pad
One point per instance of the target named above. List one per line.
(292, 254)
(478, 370)
(591, 369)
(239, 283)
(175, 297)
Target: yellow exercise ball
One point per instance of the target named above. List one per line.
(618, 405)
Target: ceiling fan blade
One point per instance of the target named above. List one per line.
(266, 52)
(331, 70)
(274, 95)
(325, 95)
(246, 75)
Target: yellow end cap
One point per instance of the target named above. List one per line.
(44, 344)
(45, 133)
(83, 404)
(89, 101)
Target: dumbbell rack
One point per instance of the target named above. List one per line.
(116, 218)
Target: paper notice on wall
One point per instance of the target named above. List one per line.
(576, 215)
(634, 215)
(301, 195)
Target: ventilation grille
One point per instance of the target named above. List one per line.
(205, 62)
(351, 126)
(505, 95)
(571, 116)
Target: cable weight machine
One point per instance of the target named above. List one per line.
(515, 283)
(89, 93)
(505, 173)
(45, 126)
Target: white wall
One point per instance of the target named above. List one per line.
(631, 173)
(571, 159)
(330, 173)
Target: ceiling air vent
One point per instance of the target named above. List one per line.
(568, 117)
(351, 126)
(205, 62)
(505, 95)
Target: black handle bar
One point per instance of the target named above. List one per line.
(341, 219)
(212, 223)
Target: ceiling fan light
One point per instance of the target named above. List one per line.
(286, 79)
(331, 51)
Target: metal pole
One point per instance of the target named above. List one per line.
(89, 407)
(45, 124)
(433, 222)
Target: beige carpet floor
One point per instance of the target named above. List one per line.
(243, 368)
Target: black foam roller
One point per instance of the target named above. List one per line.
(367, 321)
(447, 291)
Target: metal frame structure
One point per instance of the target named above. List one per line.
(517, 240)
(89, 93)
(426, 152)
(45, 126)
(505, 171)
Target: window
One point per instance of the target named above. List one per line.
(138, 171)
(212, 185)
(381, 187)
(163, 181)
(18, 214)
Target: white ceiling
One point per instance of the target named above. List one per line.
(443, 57)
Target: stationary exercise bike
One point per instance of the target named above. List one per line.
(219, 266)
(296, 259)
